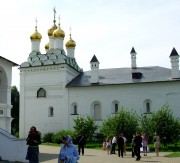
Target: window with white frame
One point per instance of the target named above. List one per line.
(97, 112)
(114, 107)
(74, 109)
(51, 111)
(147, 106)
(41, 93)
(1, 112)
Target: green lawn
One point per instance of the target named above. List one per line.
(175, 154)
(98, 145)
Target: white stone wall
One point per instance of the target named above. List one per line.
(35, 111)
(130, 96)
(11, 148)
(5, 94)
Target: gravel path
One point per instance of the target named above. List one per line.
(50, 155)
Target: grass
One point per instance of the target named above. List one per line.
(175, 154)
(98, 145)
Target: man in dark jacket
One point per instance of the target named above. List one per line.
(120, 142)
(138, 145)
(81, 143)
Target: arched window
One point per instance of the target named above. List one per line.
(74, 109)
(51, 111)
(115, 107)
(41, 93)
(96, 111)
(147, 106)
(1, 112)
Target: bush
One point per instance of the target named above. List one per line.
(57, 138)
(48, 137)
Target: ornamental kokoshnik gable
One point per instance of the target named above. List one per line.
(54, 89)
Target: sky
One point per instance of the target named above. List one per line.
(108, 29)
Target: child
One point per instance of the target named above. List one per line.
(108, 145)
(104, 145)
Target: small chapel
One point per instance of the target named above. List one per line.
(54, 90)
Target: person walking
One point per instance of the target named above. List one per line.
(104, 145)
(33, 141)
(133, 145)
(68, 152)
(156, 139)
(81, 143)
(138, 145)
(114, 142)
(125, 140)
(144, 143)
(120, 142)
(108, 145)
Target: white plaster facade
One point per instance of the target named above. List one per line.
(12, 149)
(54, 90)
(5, 93)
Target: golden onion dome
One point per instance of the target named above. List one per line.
(47, 46)
(51, 30)
(71, 43)
(36, 35)
(54, 27)
(59, 33)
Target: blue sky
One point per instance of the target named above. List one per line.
(108, 29)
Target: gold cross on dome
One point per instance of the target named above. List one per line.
(36, 21)
(70, 30)
(59, 18)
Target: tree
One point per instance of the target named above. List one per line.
(85, 125)
(166, 125)
(123, 121)
(15, 109)
(146, 125)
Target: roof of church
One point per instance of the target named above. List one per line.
(14, 64)
(174, 52)
(133, 50)
(116, 76)
(52, 57)
(94, 59)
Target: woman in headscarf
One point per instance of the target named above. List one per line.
(68, 152)
(33, 140)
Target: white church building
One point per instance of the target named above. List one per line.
(5, 93)
(54, 89)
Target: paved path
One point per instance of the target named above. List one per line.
(50, 154)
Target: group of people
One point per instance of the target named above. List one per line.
(68, 152)
(110, 145)
(139, 143)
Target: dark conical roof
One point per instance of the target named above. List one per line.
(133, 50)
(174, 52)
(94, 59)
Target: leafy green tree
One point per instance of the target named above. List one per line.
(86, 126)
(15, 109)
(146, 125)
(166, 125)
(124, 121)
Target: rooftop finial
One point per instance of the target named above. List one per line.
(59, 19)
(54, 15)
(70, 29)
(36, 24)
